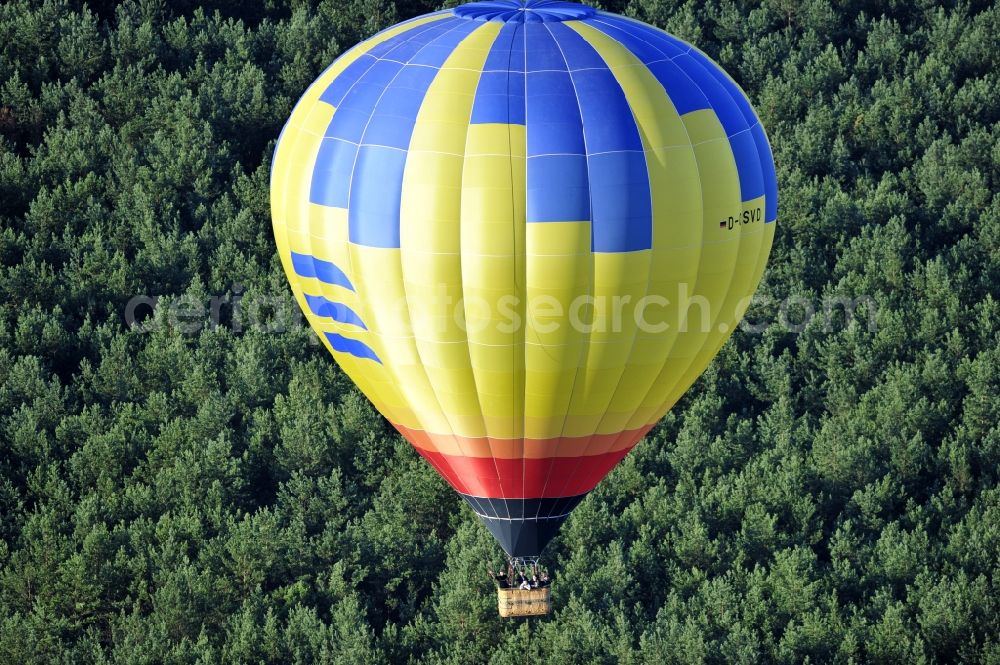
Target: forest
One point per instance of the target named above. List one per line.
(205, 486)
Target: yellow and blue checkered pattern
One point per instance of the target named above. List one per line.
(520, 151)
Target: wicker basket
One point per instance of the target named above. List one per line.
(524, 603)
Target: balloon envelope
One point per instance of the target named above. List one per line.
(523, 229)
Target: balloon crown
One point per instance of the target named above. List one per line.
(524, 11)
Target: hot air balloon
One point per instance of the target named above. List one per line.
(523, 228)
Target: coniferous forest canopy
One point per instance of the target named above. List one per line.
(183, 492)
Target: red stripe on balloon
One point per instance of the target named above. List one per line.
(523, 478)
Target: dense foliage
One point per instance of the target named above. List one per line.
(182, 492)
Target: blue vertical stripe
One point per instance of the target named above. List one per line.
(770, 177)
(620, 199)
(376, 195)
(500, 93)
(331, 177)
(748, 165)
(554, 123)
(558, 184)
